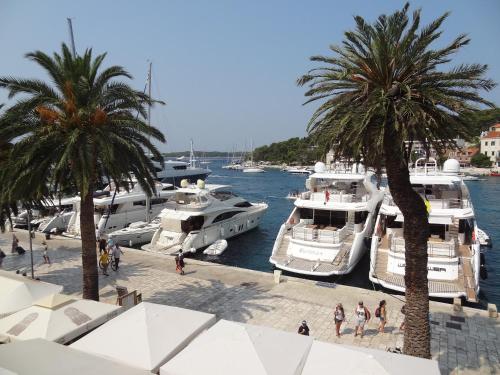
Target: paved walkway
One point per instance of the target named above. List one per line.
(471, 344)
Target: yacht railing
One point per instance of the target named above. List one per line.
(434, 249)
(436, 203)
(319, 235)
(336, 197)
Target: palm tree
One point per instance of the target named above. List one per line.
(380, 88)
(81, 125)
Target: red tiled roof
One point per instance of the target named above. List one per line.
(496, 126)
(492, 135)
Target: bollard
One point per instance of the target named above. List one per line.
(492, 310)
(277, 276)
(457, 304)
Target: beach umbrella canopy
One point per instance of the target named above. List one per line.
(18, 292)
(43, 357)
(147, 335)
(243, 349)
(325, 358)
(58, 318)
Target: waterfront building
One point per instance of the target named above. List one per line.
(490, 144)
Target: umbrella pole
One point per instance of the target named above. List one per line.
(31, 243)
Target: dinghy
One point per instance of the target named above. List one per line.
(217, 248)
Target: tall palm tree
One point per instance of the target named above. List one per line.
(79, 126)
(384, 85)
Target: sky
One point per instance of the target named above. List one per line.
(226, 69)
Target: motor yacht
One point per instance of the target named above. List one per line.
(115, 209)
(199, 215)
(454, 263)
(136, 233)
(58, 216)
(325, 233)
(298, 170)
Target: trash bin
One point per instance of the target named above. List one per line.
(277, 276)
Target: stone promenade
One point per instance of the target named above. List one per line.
(462, 343)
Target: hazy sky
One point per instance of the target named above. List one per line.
(227, 69)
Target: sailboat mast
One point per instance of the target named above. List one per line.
(72, 38)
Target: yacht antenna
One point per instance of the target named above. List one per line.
(191, 156)
(72, 38)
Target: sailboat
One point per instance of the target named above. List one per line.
(252, 168)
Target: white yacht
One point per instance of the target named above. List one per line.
(174, 171)
(453, 247)
(116, 209)
(298, 170)
(58, 216)
(200, 215)
(251, 167)
(136, 233)
(326, 231)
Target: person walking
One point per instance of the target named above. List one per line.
(15, 243)
(362, 315)
(303, 329)
(339, 317)
(179, 263)
(46, 259)
(2, 256)
(104, 261)
(381, 313)
(117, 251)
(102, 245)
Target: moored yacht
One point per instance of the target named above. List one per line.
(115, 209)
(326, 231)
(454, 263)
(199, 215)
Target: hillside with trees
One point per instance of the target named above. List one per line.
(292, 151)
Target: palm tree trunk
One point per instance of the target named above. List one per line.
(416, 233)
(89, 255)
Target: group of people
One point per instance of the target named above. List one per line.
(108, 250)
(361, 315)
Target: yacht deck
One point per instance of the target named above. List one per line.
(463, 284)
(339, 265)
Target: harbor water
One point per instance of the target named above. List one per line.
(252, 249)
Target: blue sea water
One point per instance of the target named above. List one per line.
(252, 249)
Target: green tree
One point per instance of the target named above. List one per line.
(80, 125)
(382, 87)
(480, 160)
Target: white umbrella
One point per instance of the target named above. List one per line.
(43, 357)
(147, 335)
(57, 318)
(243, 349)
(18, 292)
(327, 358)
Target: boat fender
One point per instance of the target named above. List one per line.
(483, 272)
(482, 259)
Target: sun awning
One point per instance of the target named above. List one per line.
(444, 220)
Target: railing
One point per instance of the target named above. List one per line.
(443, 203)
(336, 197)
(434, 249)
(319, 235)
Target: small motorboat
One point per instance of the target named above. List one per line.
(495, 173)
(469, 178)
(293, 195)
(484, 239)
(217, 248)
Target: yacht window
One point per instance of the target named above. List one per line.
(140, 203)
(306, 213)
(222, 195)
(437, 230)
(392, 223)
(328, 218)
(225, 216)
(243, 204)
(169, 187)
(193, 223)
(360, 217)
(179, 167)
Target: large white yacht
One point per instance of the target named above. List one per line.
(453, 247)
(115, 209)
(199, 215)
(326, 231)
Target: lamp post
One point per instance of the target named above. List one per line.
(31, 243)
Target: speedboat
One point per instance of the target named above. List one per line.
(58, 216)
(116, 208)
(298, 170)
(199, 215)
(137, 233)
(325, 233)
(484, 239)
(252, 169)
(454, 263)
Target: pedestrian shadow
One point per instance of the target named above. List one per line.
(237, 303)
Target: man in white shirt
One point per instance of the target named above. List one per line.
(116, 254)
